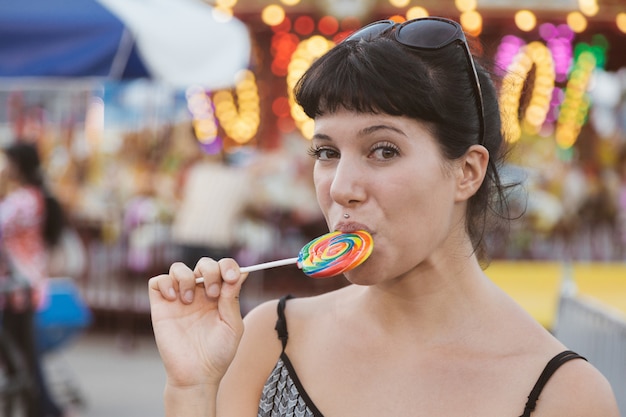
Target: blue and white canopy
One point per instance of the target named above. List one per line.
(178, 42)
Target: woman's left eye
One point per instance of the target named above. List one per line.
(323, 153)
(385, 152)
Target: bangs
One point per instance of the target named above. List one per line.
(366, 77)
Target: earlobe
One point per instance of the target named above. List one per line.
(472, 170)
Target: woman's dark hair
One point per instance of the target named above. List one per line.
(380, 75)
(25, 157)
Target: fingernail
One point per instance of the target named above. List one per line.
(230, 275)
(189, 296)
(171, 293)
(214, 290)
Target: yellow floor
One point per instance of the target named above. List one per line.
(536, 285)
(605, 282)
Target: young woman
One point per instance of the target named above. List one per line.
(407, 144)
(31, 223)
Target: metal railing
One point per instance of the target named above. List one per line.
(597, 332)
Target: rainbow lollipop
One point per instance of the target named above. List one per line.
(334, 253)
(326, 256)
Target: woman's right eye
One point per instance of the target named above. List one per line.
(323, 153)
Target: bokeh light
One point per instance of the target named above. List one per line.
(273, 15)
(508, 48)
(304, 25)
(399, 3)
(588, 7)
(620, 20)
(240, 121)
(282, 46)
(575, 106)
(465, 5)
(397, 18)
(472, 22)
(284, 26)
(203, 117)
(328, 25)
(525, 20)
(280, 107)
(534, 55)
(307, 51)
(577, 22)
(226, 4)
(416, 12)
(559, 41)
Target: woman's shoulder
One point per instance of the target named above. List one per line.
(299, 315)
(577, 388)
(262, 318)
(570, 385)
(258, 353)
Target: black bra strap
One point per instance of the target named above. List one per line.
(550, 368)
(281, 323)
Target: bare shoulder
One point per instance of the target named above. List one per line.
(260, 339)
(303, 313)
(259, 350)
(260, 347)
(261, 317)
(577, 389)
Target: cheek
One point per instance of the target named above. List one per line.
(421, 206)
(322, 188)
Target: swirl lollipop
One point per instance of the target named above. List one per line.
(335, 253)
(326, 256)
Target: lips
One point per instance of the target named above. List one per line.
(351, 226)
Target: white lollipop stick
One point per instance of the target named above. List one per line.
(258, 267)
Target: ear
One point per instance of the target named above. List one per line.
(471, 172)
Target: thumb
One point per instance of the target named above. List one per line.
(228, 302)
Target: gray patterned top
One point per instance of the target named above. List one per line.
(283, 396)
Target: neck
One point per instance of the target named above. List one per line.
(438, 302)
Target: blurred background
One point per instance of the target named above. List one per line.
(124, 99)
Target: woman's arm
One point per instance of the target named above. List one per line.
(197, 329)
(240, 389)
(190, 401)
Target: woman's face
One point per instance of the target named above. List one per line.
(387, 173)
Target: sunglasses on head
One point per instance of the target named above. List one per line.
(429, 34)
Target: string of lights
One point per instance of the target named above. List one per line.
(555, 105)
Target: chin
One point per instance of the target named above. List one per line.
(361, 276)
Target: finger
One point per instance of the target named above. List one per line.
(209, 270)
(183, 281)
(162, 285)
(228, 303)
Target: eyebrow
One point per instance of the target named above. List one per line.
(371, 129)
(364, 132)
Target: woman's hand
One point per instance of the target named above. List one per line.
(197, 326)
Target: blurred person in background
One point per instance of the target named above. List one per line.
(31, 223)
(216, 195)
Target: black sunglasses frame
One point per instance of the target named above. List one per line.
(456, 35)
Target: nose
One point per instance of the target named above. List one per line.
(348, 184)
